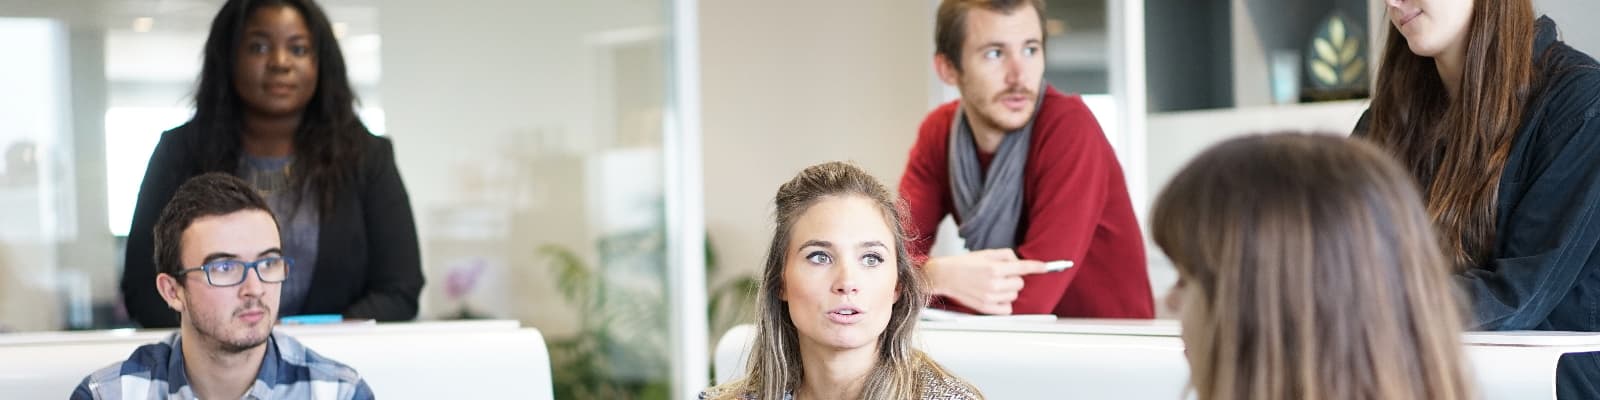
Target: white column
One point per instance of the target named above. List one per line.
(1128, 88)
(685, 206)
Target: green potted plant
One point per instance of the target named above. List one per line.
(620, 349)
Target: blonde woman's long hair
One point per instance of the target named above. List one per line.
(1310, 270)
(774, 366)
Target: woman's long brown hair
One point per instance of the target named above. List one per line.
(1457, 147)
(1309, 270)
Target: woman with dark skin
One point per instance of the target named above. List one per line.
(274, 106)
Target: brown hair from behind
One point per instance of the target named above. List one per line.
(774, 365)
(1309, 270)
(950, 23)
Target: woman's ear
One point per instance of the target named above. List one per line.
(171, 291)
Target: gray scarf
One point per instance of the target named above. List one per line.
(990, 206)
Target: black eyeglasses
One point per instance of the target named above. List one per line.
(224, 273)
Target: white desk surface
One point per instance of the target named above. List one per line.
(1144, 359)
(423, 360)
(1575, 342)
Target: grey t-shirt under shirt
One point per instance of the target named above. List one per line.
(297, 222)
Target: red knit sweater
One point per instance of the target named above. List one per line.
(1076, 208)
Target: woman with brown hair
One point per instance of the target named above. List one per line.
(1308, 269)
(839, 300)
(1496, 118)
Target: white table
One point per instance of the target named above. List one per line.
(1143, 359)
(424, 360)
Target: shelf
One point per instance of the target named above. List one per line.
(1214, 54)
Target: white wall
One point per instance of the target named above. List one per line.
(788, 84)
(1576, 20)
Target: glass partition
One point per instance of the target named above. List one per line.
(531, 137)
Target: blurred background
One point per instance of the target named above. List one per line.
(571, 162)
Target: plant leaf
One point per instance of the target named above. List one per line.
(1352, 72)
(572, 276)
(1324, 73)
(711, 258)
(713, 308)
(748, 286)
(1325, 51)
(1348, 52)
(1336, 31)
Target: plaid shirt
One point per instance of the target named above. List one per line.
(288, 371)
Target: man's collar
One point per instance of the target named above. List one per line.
(267, 376)
(178, 376)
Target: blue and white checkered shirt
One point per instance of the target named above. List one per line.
(288, 371)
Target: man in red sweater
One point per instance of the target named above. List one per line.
(1028, 175)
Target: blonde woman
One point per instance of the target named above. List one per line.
(1309, 269)
(839, 300)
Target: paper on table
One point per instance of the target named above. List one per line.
(1532, 338)
(934, 314)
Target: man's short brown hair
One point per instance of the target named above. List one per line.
(206, 195)
(950, 26)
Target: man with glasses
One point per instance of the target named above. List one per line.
(221, 269)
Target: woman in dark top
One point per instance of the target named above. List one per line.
(274, 106)
(1497, 120)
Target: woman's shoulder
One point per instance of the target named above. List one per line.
(709, 394)
(718, 393)
(1572, 83)
(371, 143)
(178, 148)
(183, 134)
(1567, 104)
(186, 128)
(942, 386)
(376, 154)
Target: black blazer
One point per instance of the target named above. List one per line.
(368, 264)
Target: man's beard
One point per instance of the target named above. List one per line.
(995, 100)
(231, 345)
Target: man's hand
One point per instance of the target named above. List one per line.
(986, 280)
